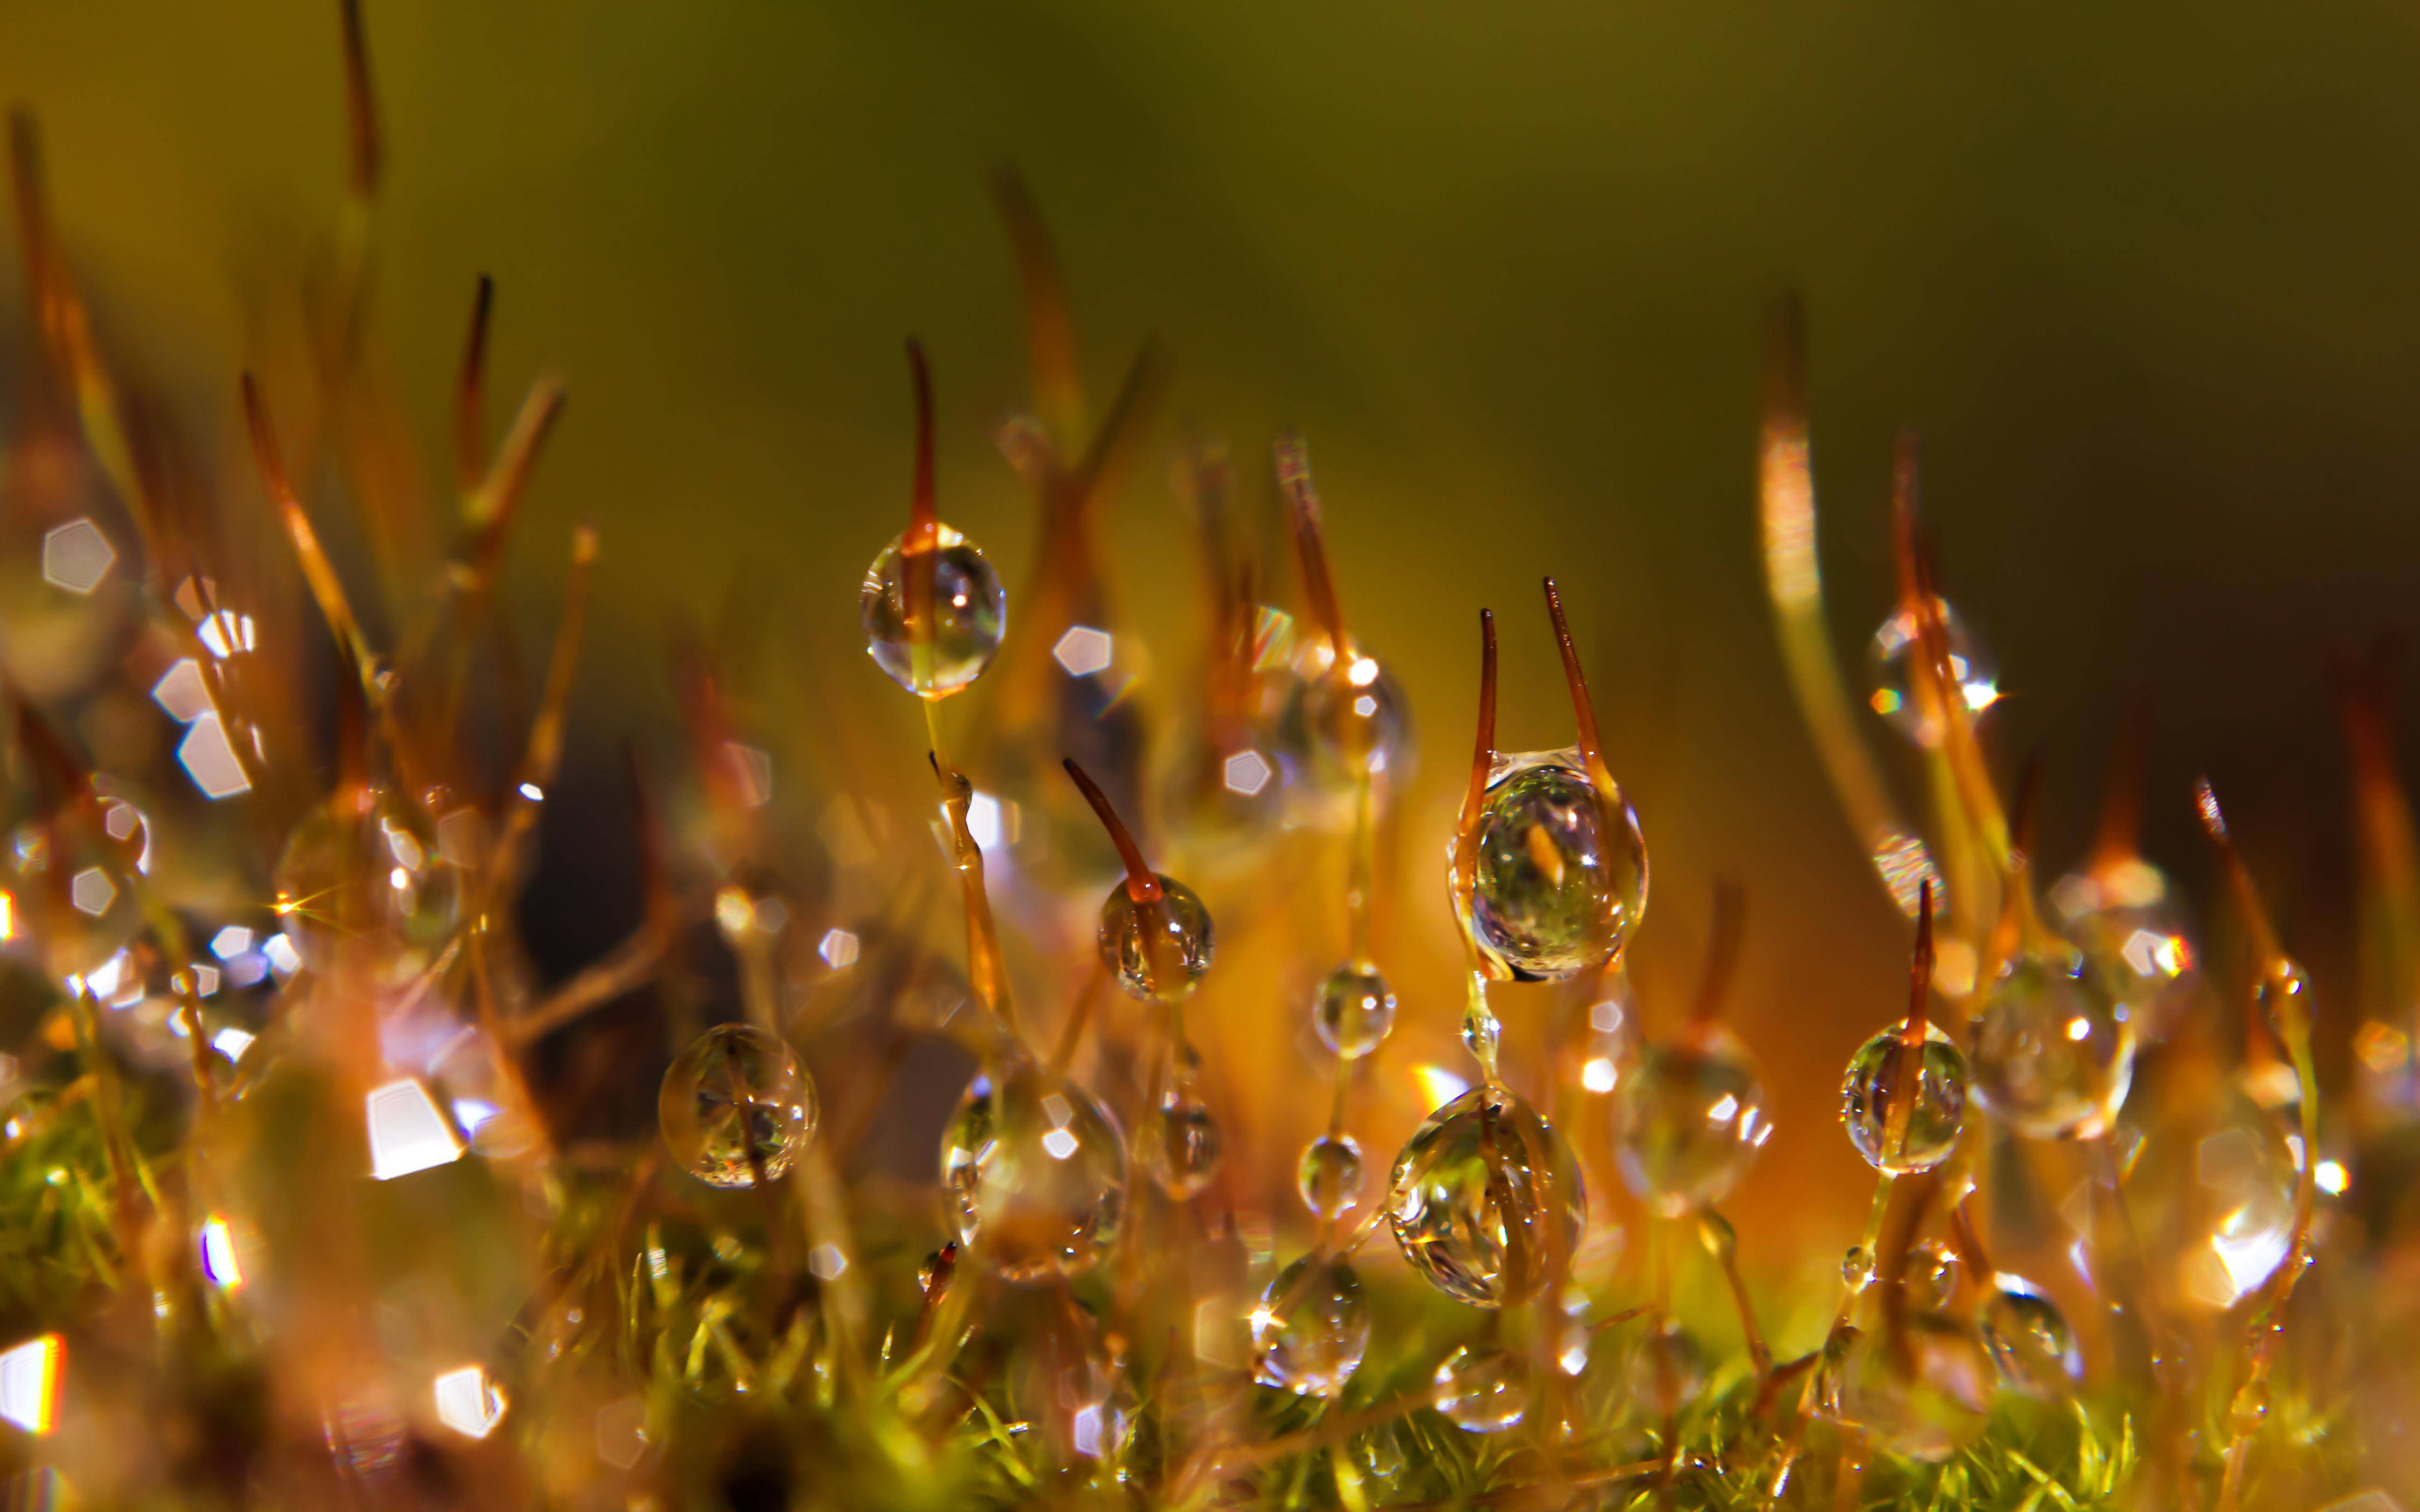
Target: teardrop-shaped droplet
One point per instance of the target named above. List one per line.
(364, 871)
(1484, 1389)
(1331, 1175)
(1936, 1091)
(2030, 1341)
(1486, 1199)
(970, 616)
(1561, 879)
(1690, 1117)
(736, 1107)
(1890, 660)
(1311, 1327)
(1158, 950)
(1184, 1148)
(1036, 1174)
(1930, 1275)
(1354, 1010)
(2050, 1052)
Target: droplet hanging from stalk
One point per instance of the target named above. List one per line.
(933, 610)
(1690, 1116)
(1035, 1173)
(1155, 935)
(736, 1107)
(1905, 1094)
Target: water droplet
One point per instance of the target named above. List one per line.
(365, 870)
(1691, 1117)
(1561, 878)
(2284, 997)
(1931, 1275)
(2031, 1342)
(735, 1104)
(1937, 1101)
(1482, 1388)
(1342, 722)
(2052, 1053)
(1036, 1174)
(1185, 1147)
(1890, 663)
(970, 616)
(1925, 1402)
(1486, 1199)
(1311, 1327)
(2126, 918)
(1158, 950)
(73, 880)
(1354, 1009)
(1856, 1267)
(1665, 1369)
(1330, 1176)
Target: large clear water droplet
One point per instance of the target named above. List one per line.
(2127, 918)
(1354, 1010)
(1936, 1092)
(1484, 1389)
(364, 871)
(2031, 1344)
(736, 1107)
(2210, 1189)
(1185, 1147)
(1561, 878)
(970, 616)
(1690, 1117)
(1890, 661)
(1342, 722)
(1159, 950)
(1311, 1327)
(1925, 1402)
(1036, 1174)
(1331, 1175)
(2050, 1052)
(1486, 1199)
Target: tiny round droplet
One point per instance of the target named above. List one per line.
(1856, 1267)
(1311, 1327)
(1486, 1199)
(1890, 660)
(1158, 950)
(2030, 1341)
(1354, 1009)
(1036, 1174)
(970, 614)
(1482, 1388)
(365, 870)
(1937, 1101)
(1561, 878)
(1691, 1117)
(1185, 1147)
(1342, 723)
(736, 1107)
(2285, 1000)
(1330, 1176)
(2050, 1054)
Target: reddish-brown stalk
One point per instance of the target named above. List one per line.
(1475, 796)
(470, 391)
(2116, 840)
(1591, 747)
(1318, 582)
(1722, 943)
(362, 155)
(1142, 883)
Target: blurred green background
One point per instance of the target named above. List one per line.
(2143, 276)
